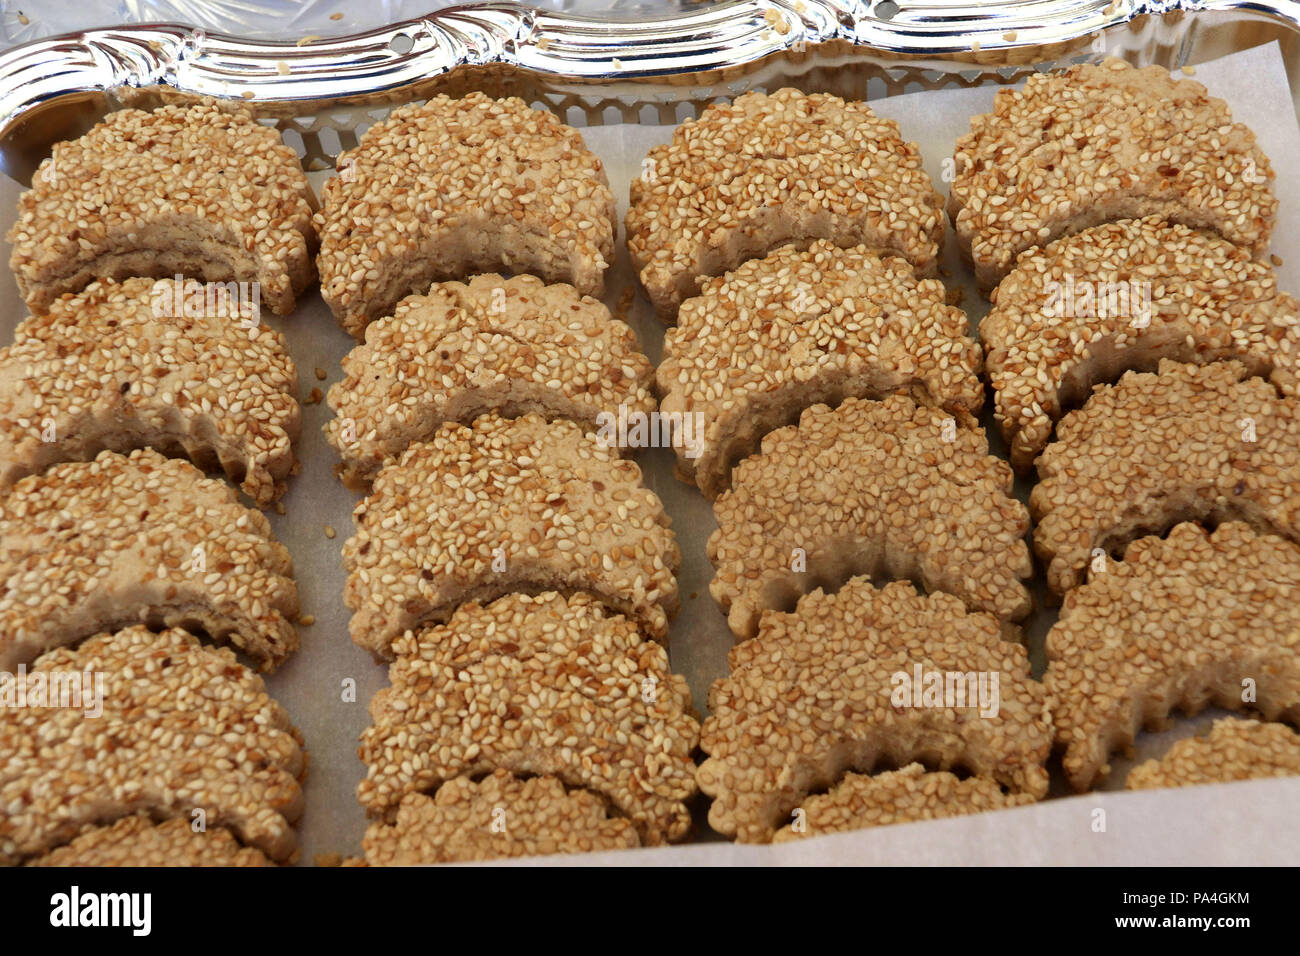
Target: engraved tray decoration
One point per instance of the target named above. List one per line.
(594, 71)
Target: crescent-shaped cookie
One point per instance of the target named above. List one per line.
(1234, 749)
(497, 817)
(839, 684)
(1186, 443)
(538, 685)
(454, 187)
(513, 346)
(896, 796)
(888, 488)
(122, 366)
(506, 505)
(802, 327)
(170, 728)
(94, 546)
(202, 191)
(138, 841)
(1121, 297)
(1098, 143)
(771, 169)
(1195, 619)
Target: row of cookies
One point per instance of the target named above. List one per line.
(127, 739)
(511, 567)
(125, 736)
(1144, 364)
(507, 562)
(519, 578)
(1143, 361)
(793, 239)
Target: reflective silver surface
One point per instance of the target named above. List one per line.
(55, 88)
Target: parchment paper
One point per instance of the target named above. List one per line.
(1253, 823)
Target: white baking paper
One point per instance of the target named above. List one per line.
(1251, 823)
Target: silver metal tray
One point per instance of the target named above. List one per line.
(324, 93)
(592, 72)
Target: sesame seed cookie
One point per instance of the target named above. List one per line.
(138, 841)
(800, 327)
(772, 169)
(1191, 620)
(94, 546)
(1232, 750)
(201, 190)
(513, 346)
(455, 187)
(1185, 443)
(103, 370)
(1122, 296)
(1097, 143)
(896, 796)
(506, 505)
(183, 728)
(536, 685)
(816, 694)
(500, 816)
(885, 488)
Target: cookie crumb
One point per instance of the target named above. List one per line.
(320, 374)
